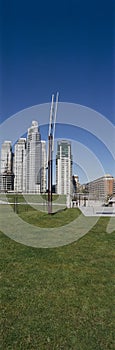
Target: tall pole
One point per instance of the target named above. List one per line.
(50, 175)
(53, 112)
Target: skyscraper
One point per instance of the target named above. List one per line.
(6, 176)
(20, 166)
(6, 157)
(33, 159)
(64, 168)
(28, 164)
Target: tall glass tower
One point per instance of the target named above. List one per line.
(33, 161)
(64, 168)
(6, 157)
(20, 166)
(6, 175)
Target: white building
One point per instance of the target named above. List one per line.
(64, 168)
(20, 166)
(6, 163)
(33, 159)
(6, 157)
(29, 165)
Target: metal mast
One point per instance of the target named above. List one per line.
(51, 135)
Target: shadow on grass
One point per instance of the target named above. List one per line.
(58, 211)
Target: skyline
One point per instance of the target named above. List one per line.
(69, 49)
(28, 148)
(86, 164)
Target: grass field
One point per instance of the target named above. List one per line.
(20, 203)
(60, 298)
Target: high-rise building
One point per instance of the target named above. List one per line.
(33, 159)
(64, 168)
(6, 176)
(6, 157)
(20, 166)
(25, 171)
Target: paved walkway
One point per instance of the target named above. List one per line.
(97, 211)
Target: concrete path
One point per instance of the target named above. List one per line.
(97, 211)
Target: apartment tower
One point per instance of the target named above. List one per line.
(6, 175)
(20, 166)
(64, 168)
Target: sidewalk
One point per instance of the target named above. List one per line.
(97, 211)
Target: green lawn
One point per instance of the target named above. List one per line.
(59, 298)
(39, 218)
(38, 208)
(42, 219)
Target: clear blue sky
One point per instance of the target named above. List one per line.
(67, 46)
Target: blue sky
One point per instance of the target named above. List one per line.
(65, 46)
